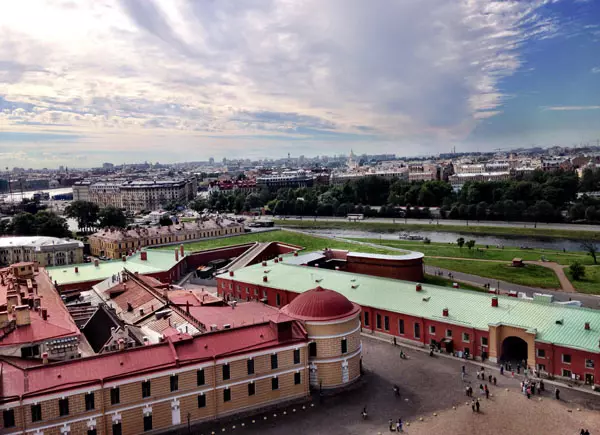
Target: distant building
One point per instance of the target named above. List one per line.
(292, 179)
(81, 191)
(423, 172)
(337, 178)
(108, 166)
(45, 251)
(115, 242)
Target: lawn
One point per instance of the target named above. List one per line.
(481, 252)
(443, 282)
(530, 275)
(590, 283)
(483, 230)
(309, 242)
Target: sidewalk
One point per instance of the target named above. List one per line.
(475, 364)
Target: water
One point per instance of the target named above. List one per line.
(18, 196)
(450, 237)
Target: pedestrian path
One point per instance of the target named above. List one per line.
(559, 270)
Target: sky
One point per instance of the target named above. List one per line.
(86, 82)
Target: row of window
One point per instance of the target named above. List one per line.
(63, 404)
(466, 338)
(566, 358)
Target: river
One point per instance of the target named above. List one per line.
(450, 237)
(18, 196)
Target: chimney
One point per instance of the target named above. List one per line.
(231, 273)
(276, 260)
(45, 358)
(141, 311)
(121, 344)
(264, 263)
(445, 312)
(144, 256)
(76, 269)
(187, 307)
(129, 307)
(265, 279)
(587, 326)
(96, 263)
(181, 251)
(176, 254)
(494, 302)
(22, 314)
(419, 287)
(44, 313)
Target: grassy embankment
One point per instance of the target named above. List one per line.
(590, 283)
(481, 230)
(530, 275)
(310, 243)
(443, 282)
(482, 253)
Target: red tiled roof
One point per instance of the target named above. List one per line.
(194, 298)
(145, 359)
(59, 322)
(320, 304)
(245, 313)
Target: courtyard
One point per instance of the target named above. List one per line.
(428, 386)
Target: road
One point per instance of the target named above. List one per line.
(452, 222)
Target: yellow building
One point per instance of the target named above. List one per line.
(45, 251)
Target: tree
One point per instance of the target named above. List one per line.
(590, 213)
(84, 212)
(470, 244)
(460, 242)
(577, 270)
(591, 249)
(112, 217)
(50, 224)
(165, 221)
(23, 224)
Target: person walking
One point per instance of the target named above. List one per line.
(470, 391)
(477, 405)
(541, 385)
(494, 380)
(490, 379)
(392, 426)
(502, 370)
(473, 405)
(557, 394)
(399, 425)
(487, 392)
(464, 370)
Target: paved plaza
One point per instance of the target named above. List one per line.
(428, 385)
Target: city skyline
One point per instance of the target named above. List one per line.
(130, 80)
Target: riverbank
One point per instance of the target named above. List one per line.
(590, 283)
(385, 227)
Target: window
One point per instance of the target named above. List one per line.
(89, 401)
(274, 361)
(201, 401)
(247, 291)
(147, 422)
(417, 330)
(146, 389)
(200, 377)
(296, 356)
(344, 345)
(589, 363)
(378, 321)
(226, 394)
(401, 326)
(255, 292)
(275, 383)
(312, 349)
(9, 418)
(277, 299)
(566, 358)
(63, 406)
(449, 333)
(465, 337)
(223, 284)
(250, 364)
(386, 323)
(431, 329)
(116, 428)
(174, 382)
(366, 317)
(251, 389)
(115, 396)
(541, 353)
(226, 372)
(566, 373)
(264, 294)
(92, 432)
(36, 413)
(484, 341)
(30, 351)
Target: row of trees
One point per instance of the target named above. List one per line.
(42, 223)
(89, 216)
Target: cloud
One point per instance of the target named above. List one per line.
(567, 108)
(412, 70)
(596, 70)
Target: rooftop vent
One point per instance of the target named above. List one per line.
(226, 326)
(231, 273)
(419, 287)
(559, 321)
(213, 327)
(445, 312)
(494, 302)
(426, 298)
(587, 326)
(265, 279)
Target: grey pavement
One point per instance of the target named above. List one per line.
(442, 222)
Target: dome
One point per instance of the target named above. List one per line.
(320, 304)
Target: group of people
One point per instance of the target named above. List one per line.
(584, 432)
(529, 387)
(396, 426)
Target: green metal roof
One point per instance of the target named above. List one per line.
(158, 261)
(466, 307)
